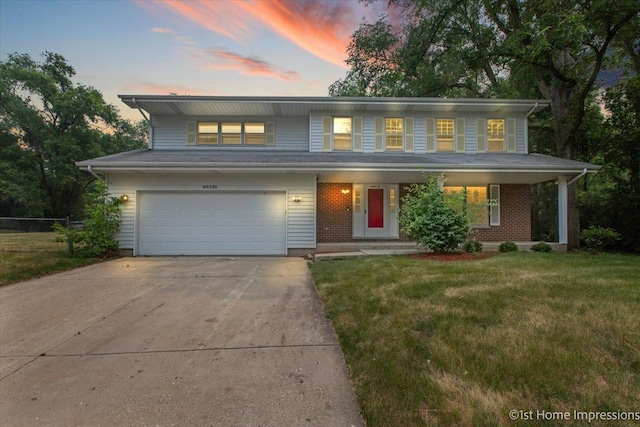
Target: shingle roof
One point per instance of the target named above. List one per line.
(280, 160)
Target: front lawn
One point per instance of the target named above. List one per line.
(18, 266)
(466, 342)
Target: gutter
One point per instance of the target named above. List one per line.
(90, 169)
(133, 101)
(526, 128)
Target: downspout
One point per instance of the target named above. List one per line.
(526, 128)
(90, 169)
(133, 101)
(583, 173)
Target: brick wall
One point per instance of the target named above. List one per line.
(515, 216)
(334, 222)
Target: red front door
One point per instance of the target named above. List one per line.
(375, 207)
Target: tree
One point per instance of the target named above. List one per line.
(550, 48)
(47, 123)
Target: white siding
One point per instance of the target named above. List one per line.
(301, 217)
(170, 132)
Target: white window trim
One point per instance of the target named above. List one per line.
(193, 136)
(384, 146)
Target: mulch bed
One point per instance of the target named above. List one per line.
(462, 256)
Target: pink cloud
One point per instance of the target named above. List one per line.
(162, 30)
(320, 27)
(249, 65)
(152, 88)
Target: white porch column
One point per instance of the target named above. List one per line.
(562, 210)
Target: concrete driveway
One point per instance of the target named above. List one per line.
(172, 341)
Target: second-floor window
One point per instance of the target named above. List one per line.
(231, 133)
(495, 134)
(394, 129)
(445, 134)
(342, 131)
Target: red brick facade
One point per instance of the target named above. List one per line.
(334, 220)
(333, 217)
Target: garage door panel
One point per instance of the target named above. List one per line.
(212, 223)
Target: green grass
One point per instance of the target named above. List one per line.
(18, 266)
(31, 242)
(433, 343)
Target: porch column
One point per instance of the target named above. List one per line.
(562, 210)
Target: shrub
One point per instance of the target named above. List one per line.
(542, 247)
(599, 238)
(97, 238)
(508, 247)
(472, 246)
(434, 223)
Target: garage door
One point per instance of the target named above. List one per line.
(242, 223)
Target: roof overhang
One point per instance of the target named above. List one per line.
(179, 105)
(459, 168)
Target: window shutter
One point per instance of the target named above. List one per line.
(192, 133)
(270, 134)
(460, 136)
(481, 135)
(379, 134)
(357, 134)
(511, 135)
(408, 135)
(326, 134)
(494, 209)
(430, 125)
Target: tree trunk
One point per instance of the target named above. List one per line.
(566, 146)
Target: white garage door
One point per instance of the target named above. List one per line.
(242, 223)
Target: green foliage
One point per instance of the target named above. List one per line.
(47, 123)
(542, 247)
(599, 238)
(472, 246)
(97, 238)
(508, 247)
(431, 220)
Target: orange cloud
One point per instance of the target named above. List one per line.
(250, 65)
(162, 30)
(320, 27)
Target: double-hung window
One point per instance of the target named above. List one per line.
(230, 133)
(474, 204)
(445, 134)
(495, 134)
(394, 131)
(342, 132)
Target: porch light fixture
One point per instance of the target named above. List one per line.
(124, 197)
(345, 191)
(297, 199)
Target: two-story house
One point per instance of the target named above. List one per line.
(279, 175)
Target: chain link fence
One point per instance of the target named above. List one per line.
(32, 234)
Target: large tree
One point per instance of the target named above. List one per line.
(47, 123)
(551, 48)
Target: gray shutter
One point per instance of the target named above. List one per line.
(378, 134)
(460, 140)
(192, 133)
(270, 134)
(409, 137)
(357, 134)
(430, 126)
(326, 134)
(511, 135)
(494, 209)
(481, 135)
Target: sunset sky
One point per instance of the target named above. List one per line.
(219, 47)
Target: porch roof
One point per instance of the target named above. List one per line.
(346, 167)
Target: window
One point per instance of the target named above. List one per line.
(445, 134)
(392, 200)
(495, 134)
(254, 133)
(475, 203)
(394, 132)
(230, 133)
(207, 133)
(342, 130)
